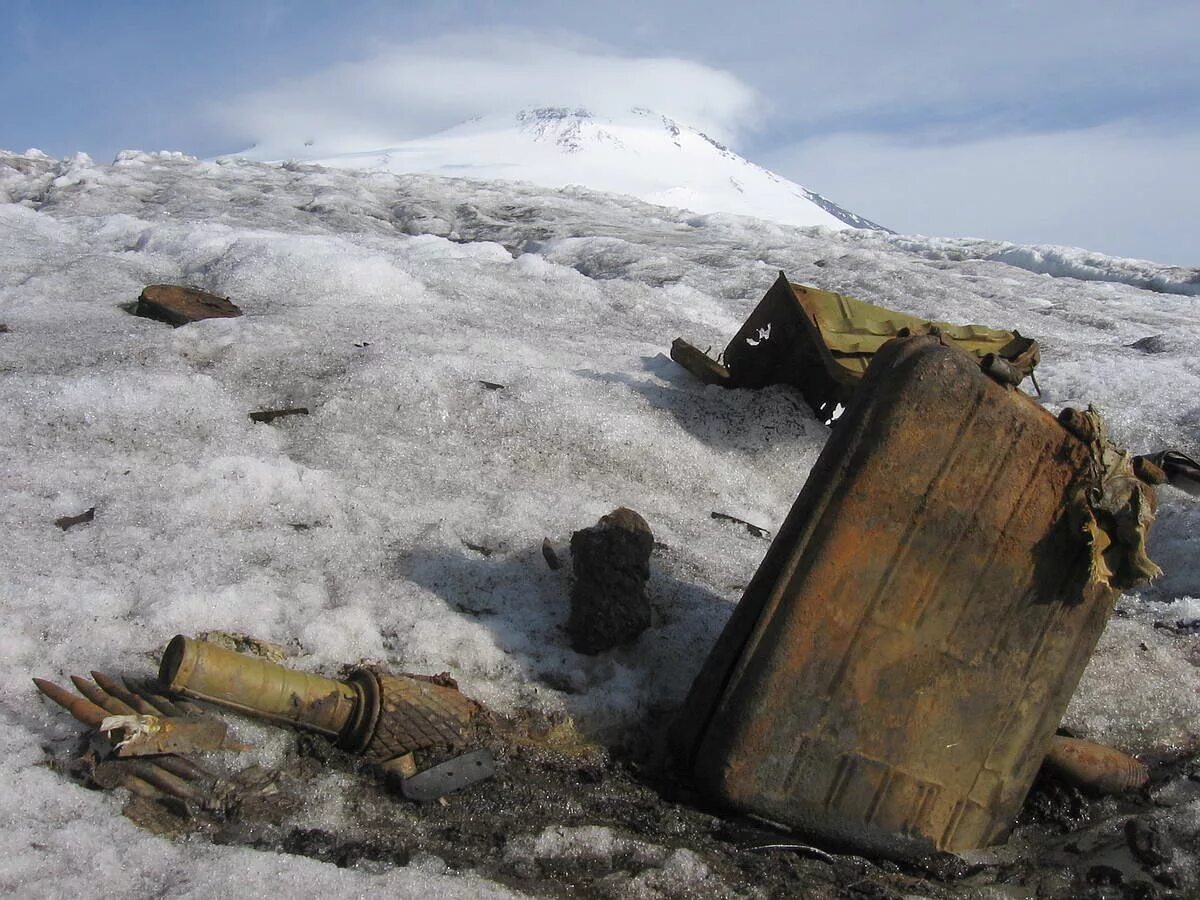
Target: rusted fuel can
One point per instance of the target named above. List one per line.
(894, 673)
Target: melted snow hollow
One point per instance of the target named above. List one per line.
(381, 302)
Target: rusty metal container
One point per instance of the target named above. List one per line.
(895, 671)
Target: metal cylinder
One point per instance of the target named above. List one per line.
(1095, 767)
(258, 687)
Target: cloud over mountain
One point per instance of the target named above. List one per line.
(410, 90)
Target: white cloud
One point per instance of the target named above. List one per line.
(412, 90)
(1122, 188)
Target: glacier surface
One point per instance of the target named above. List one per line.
(381, 302)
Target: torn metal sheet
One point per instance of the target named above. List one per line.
(822, 342)
(1113, 506)
(148, 735)
(449, 776)
(1172, 467)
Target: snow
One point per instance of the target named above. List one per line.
(664, 872)
(349, 533)
(1061, 262)
(636, 152)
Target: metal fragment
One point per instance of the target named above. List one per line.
(449, 776)
(66, 522)
(270, 415)
(805, 849)
(148, 735)
(756, 530)
(178, 305)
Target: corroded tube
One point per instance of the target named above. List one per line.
(1095, 767)
(260, 688)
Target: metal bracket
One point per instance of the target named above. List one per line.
(452, 775)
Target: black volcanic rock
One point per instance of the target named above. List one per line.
(611, 560)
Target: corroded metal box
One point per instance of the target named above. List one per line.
(893, 674)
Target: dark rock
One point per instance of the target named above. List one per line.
(550, 556)
(611, 560)
(1105, 876)
(84, 517)
(1156, 343)
(1148, 842)
(179, 305)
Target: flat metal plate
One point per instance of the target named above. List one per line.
(450, 776)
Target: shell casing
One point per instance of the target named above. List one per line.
(260, 688)
(1095, 767)
(376, 715)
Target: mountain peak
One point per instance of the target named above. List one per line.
(639, 152)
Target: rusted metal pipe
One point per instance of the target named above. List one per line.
(253, 685)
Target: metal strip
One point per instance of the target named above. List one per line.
(452, 775)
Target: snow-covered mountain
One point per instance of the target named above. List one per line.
(640, 153)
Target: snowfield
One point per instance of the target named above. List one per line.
(402, 520)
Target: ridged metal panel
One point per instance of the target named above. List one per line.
(894, 672)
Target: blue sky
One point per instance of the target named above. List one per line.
(1058, 122)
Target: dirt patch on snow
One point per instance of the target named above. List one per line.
(566, 818)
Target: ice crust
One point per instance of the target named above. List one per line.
(402, 520)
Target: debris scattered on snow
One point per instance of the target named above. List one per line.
(178, 305)
(1094, 767)
(550, 555)
(393, 485)
(270, 415)
(611, 561)
(65, 522)
(756, 530)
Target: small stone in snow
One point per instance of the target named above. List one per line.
(609, 606)
(550, 556)
(66, 522)
(179, 305)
